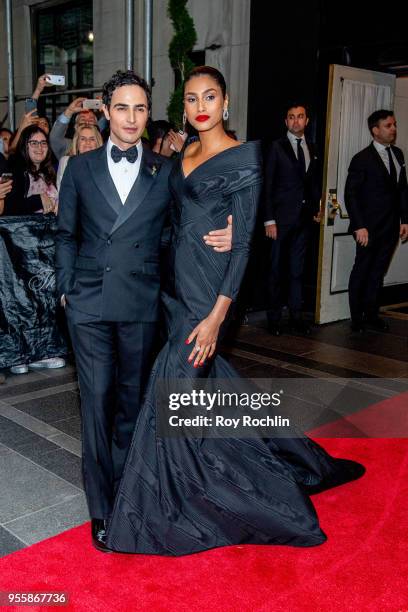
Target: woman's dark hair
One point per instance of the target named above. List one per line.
(46, 168)
(121, 78)
(207, 71)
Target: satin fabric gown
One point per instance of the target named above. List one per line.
(184, 495)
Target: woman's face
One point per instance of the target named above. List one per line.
(37, 148)
(203, 102)
(6, 137)
(86, 141)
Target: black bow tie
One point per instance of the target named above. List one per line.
(130, 154)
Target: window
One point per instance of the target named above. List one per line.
(64, 45)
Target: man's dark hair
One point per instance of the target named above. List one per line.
(157, 129)
(375, 118)
(121, 78)
(296, 104)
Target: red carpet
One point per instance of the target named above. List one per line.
(387, 419)
(363, 566)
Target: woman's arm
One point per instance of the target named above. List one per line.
(244, 211)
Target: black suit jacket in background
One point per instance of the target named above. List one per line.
(289, 195)
(107, 253)
(372, 201)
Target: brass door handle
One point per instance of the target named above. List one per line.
(333, 207)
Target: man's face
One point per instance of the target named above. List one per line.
(296, 120)
(386, 132)
(86, 117)
(128, 114)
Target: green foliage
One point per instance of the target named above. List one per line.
(181, 45)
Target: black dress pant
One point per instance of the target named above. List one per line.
(286, 265)
(113, 362)
(367, 275)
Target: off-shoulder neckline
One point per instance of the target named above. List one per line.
(185, 177)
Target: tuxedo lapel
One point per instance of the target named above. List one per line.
(141, 187)
(98, 165)
(312, 156)
(400, 159)
(289, 150)
(379, 162)
(292, 155)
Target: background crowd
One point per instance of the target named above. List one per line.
(34, 158)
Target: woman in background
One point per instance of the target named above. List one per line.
(86, 138)
(33, 191)
(34, 179)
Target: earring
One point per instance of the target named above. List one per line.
(225, 114)
(184, 121)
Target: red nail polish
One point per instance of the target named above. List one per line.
(187, 342)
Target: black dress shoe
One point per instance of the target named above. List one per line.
(357, 326)
(377, 324)
(299, 326)
(98, 530)
(274, 329)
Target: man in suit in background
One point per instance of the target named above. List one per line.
(376, 199)
(112, 206)
(292, 202)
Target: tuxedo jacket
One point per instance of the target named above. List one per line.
(289, 195)
(107, 253)
(371, 198)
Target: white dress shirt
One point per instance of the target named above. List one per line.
(124, 173)
(293, 141)
(382, 151)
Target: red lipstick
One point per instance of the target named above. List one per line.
(202, 117)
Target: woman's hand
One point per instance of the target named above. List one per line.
(205, 334)
(30, 118)
(41, 84)
(49, 205)
(177, 140)
(5, 188)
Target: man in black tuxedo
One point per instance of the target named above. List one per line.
(292, 202)
(113, 203)
(376, 199)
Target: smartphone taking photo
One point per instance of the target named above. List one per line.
(6, 176)
(30, 105)
(92, 104)
(55, 79)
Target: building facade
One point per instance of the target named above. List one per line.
(86, 39)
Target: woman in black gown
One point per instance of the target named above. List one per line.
(184, 495)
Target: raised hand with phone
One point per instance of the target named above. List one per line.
(6, 185)
(58, 140)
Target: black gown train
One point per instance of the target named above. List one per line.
(184, 495)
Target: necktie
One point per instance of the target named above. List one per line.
(301, 156)
(130, 154)
(393, 170)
